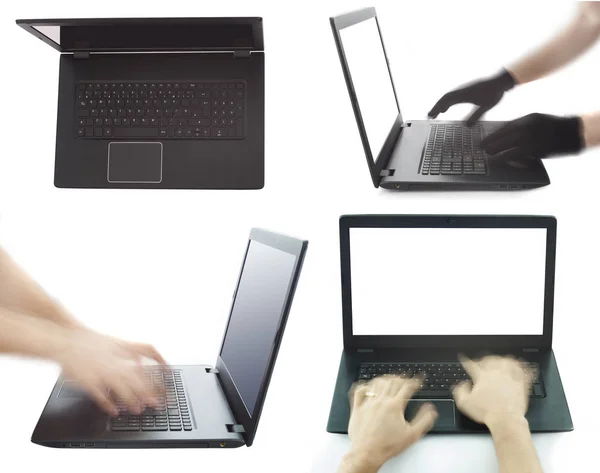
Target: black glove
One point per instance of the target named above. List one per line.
(484, 93)
(535, 135)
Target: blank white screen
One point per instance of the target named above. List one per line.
(372, 83)
(447, 281)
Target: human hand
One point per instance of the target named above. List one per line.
(485, 94)
(535, 135)
(498, 390)
(377, 428)
(100, 364)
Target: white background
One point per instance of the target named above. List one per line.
(135, 263)
(447, 281)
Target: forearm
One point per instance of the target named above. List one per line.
(359, 462)
(19, 292)
(514, 446)
(572, 41)
(23, 334)
(591, 129)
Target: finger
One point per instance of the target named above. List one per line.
(424, 420)
(461, 392)
(471, 367)
(394, 384)
(517, 138)
(126, 395)
(100, 397)
(143, 392)
(359, 396)
(520, 153)
(149, 351)
(408, 389)
(476, 115)
(504, 131)
(443, 104)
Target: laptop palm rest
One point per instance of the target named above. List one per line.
(131, 162)
(445, 408)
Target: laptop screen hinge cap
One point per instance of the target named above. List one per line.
(81, 54)
(387, 172)
(235, 428)
(212, 370)
(241, 53)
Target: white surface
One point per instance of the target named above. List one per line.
(494, 276)
(371, 80)
(138, 263)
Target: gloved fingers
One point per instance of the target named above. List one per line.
(476, 115)
(448, 100)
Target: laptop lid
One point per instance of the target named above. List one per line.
(259, 312)
(369, 80)
(465, 281)
(148, 34)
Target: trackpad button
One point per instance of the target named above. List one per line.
(444, 407)
(132, 162)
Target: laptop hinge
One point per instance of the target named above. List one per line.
(387, 172)
(531, 350)
(212, 370)
(241, 53)
(365, 350)
(235, 428)
(406, 125)
(81, 54)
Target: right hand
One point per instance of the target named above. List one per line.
(100, 364)
(485, 94)
(499, 389)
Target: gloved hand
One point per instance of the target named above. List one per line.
(483, 93)
(535, 135)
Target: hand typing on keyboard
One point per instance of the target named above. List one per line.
(498, 390)
(377, 428)
(101, 364)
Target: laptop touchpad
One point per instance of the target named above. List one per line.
(445, 408)
(135, 162)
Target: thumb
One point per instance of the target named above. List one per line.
(461, 392)
(424, 419)
(476, 115)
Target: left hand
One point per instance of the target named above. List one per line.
(377, 429)
(535, 135)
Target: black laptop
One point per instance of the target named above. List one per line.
(416, 154)
(417, 290)
(203, 406)
(170, 103)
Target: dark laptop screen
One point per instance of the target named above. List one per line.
(448, 281)
(367, 64)
(255, 318)
(150, 34)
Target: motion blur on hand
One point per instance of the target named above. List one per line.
(108, 368)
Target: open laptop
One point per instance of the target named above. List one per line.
(170, 103)
(417, 290)
(416, 154)
(203, 406)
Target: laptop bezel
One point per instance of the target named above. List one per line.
(376, 166)
(352, 341)
(250, 421)
(256, 23)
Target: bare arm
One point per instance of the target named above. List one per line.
(19, 292)
(514, 447)
(32, 336)
(572, 41)
(591, 129)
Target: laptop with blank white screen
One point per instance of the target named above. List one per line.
(417, 290)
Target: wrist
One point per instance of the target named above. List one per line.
(507, 79)
(502, 424)
(361, 460)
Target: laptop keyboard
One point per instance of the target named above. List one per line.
(172, 412)
(454, 150)
(164, 110)
(438, 377)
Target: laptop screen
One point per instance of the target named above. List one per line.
(448, 281)
(153, 34)
(255, 318)
(370, 75)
